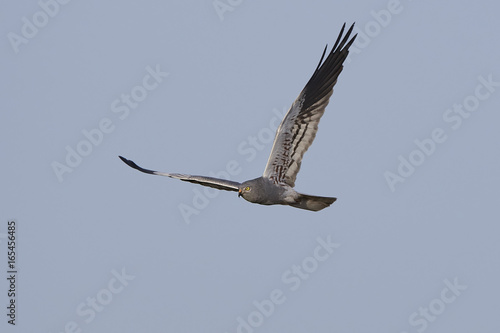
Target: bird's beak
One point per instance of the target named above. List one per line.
(239, 193)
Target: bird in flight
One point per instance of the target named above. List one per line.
(293, 137)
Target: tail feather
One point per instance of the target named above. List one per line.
(314, 203)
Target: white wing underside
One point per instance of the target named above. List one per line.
(300, 125)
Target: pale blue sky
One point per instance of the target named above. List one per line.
(179, 87)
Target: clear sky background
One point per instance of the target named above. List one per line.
(409, 144)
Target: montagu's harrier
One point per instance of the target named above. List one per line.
(293, 137)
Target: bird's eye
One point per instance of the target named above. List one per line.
(247, 188)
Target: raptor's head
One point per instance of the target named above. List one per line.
(249, 190)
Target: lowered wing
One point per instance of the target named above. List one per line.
(221, 184)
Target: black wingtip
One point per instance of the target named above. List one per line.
(135, 166)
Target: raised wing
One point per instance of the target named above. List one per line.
(298, 129)
(221, 184)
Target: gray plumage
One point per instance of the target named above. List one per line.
(293, 137)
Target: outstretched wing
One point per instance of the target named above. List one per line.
(221, 184)
(298, 129)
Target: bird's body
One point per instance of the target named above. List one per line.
(265, 192)
(293, 137)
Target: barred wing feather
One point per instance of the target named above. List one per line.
(298, 129)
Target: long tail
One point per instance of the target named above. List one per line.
(314, 203)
